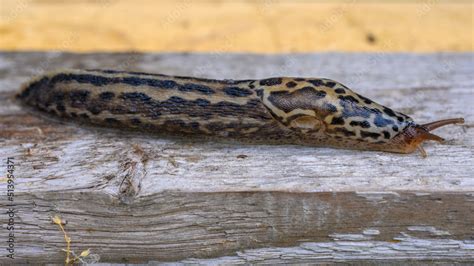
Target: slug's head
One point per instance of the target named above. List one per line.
(413, 135)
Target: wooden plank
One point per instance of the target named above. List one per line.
(136, 198)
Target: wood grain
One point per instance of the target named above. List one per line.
(137, 198)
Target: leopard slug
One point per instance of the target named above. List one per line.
(282, 110)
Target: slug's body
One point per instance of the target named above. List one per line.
(306, 111)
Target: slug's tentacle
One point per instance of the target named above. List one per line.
(281, 110)
(429, 136)
(442, 123)
(434, 125)
(414, 135)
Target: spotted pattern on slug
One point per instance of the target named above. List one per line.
(304, 111)
(340, 111)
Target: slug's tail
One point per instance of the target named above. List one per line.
(414, 135)
(36, 90)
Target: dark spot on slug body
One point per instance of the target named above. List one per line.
(196, 87)
(319, 94)
(395, 128)
(330, 84)
(386, 134)
(106, 96)
(375, 110)
(366, 100)
(362, 124)
(167, 84)
(316, 82)
(259, 93)
(337, 121)
(176, 100)
(367, 134)
(340, 91)
(348, 98)
(389, 112)
(136, 96)
(134, 81)
(237, 92)
(137, 81)
(158, 83)
(291, 84)
(271, 81)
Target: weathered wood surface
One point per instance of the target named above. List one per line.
(137, 198)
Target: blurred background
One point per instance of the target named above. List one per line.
(268, 26)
